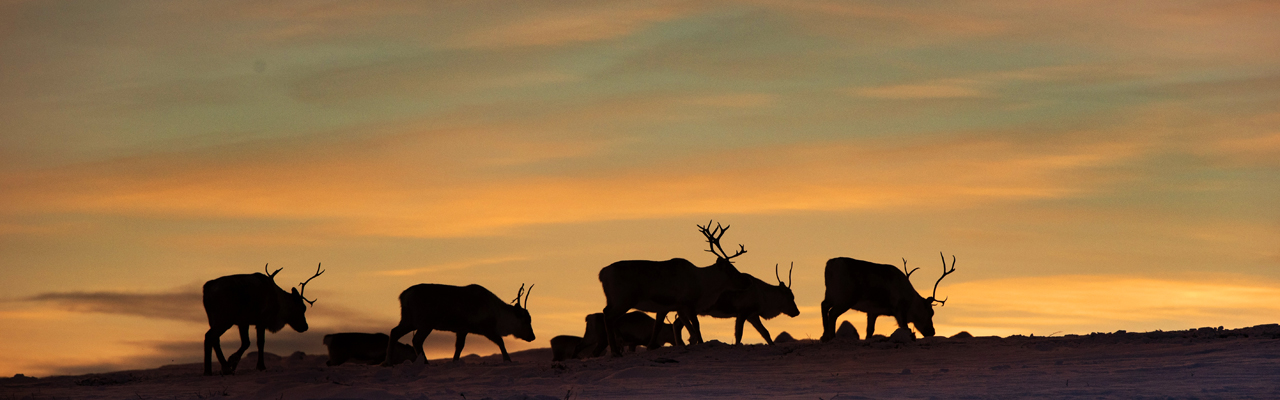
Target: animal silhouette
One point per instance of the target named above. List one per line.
(565, 347)
(250, 299)
(662, 287)
(462, 310)
(634, 329)
(877, 289)
(758, 300)
(368, 348)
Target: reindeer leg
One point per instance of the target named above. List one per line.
(902, 322)
(677, 331)
(457, 346)
(419, 336)
(262, 343)
(396, 333)
(230, 367)
(211, 342)
(871, 325)
(830, 314)
(611, 316)
(737, 330)
(654, 342)
(755, 321)
(502, 347)
(695, 329)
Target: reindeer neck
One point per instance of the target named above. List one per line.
(507, 322)
(280, 317)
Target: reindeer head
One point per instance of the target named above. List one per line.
(293, 307)
(921, 314)
(522, 325)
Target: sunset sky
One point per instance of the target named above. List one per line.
(1092, 165)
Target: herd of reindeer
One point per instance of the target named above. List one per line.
(660, 287)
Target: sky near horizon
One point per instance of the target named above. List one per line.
(1092, 165)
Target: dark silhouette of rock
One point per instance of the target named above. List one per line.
(847, 331)
(784, 337)
(902, 335)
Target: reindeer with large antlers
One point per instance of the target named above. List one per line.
(877, 289)
(662, 287)
(250, 299)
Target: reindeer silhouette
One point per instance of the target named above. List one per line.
(877, 289)
(250, 299)
(665, 286)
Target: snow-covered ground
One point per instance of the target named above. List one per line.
(1203, 363)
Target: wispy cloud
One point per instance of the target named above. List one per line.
(450, 266)
(566, 26)
(179, 306)
(397, 201)
(952, 89)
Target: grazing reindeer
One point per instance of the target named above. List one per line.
(368, 348)
(877, 289)
(665, 286)
(634, 329)
(758, 299)
(566, 347)
(462, 310)
(250, 299)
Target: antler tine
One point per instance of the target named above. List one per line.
(302, 288)
(789, 281)
(945, 272)
(706, 232)
(775, 273)
(904, 268)
(271, 275)
(518, 294)
(526, 296)
(741, 250)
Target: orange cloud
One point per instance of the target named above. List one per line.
(386, 191)
(951, 89)
(569, 26)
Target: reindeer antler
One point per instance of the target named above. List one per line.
(302, 288)
(713, 239)
(945, 272)
(516, 302)
(526, 296)
(273, 274)
(775, 275)
(904, 267)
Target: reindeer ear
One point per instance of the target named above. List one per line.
(295, 292)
